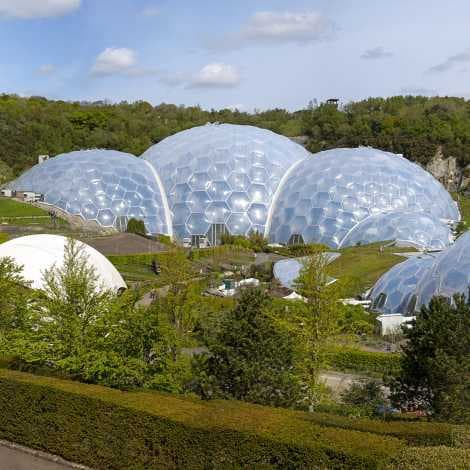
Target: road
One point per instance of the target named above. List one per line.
(25, 459)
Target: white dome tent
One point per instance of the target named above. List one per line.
(36, 253)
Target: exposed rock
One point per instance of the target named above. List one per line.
(465, 182)
(446, 170)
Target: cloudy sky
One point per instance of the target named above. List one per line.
(243, 53)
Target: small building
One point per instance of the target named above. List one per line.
(8, 193)
(29, 196)
(392, 323)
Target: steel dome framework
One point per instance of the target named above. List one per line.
(332, 193)
(413, 283)
(222, 174)
(103, 186)
(213, 179)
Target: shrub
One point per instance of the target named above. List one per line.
(136, 226)
(106, 428)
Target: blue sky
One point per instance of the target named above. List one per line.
(244, 53)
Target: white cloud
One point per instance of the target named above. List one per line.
(27, 9)
(451, 62)
(115, 61)
(216, 75)
(268, 27)
(376, 53)
(46, 69)
(151, 11)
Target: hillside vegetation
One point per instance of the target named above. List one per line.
(414, 126)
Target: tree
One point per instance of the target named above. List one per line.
(71, 305)
(136, 226)
(13, 304)
(316, 319)
(435, 371)
(250, 357)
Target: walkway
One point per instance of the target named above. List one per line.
(14, 457)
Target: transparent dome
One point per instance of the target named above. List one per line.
(104, 186)
(449, 275)
(408, 228)
(222, 175)
(394, 291)
(324, 197)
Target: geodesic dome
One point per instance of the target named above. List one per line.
(327, 195)
(393, 292)
(104, 186)
(36, 253)
(449, 275)
(222, 175)
(408, 228)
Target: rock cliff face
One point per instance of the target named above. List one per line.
(446, 170)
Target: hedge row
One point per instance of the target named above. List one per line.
(416, 433)
(349, 359)
(110, 429)
(143, 258)
(431, 458)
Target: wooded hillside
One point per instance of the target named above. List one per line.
(414, 126)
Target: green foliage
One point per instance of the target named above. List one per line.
(431, 458)
(299, 250)
(435, 368)
(413, 126)
(349, 359)
(254, 241)
(6, 173)
(13, 303)
(353, 319)
(250, 357)
(104, 428)
(367, 395)
(464, 206)
(317, 317)
(136, 226)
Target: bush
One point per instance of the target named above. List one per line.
(106, 428)
(136, 226)
(349, 359)
(367, 395)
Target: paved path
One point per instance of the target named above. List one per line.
(12, 458)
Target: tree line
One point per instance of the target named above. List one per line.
(413, 126)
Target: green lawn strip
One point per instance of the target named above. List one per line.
(56, 414)
(12, 208)
(464, 206)
(364, 265)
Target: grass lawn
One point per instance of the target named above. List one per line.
(12, 208)
(3, 237)
(464, 206)
(363, 265)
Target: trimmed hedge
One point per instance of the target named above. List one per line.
(350, 359)
(432, 458)
(416, 433)
(110, 429)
